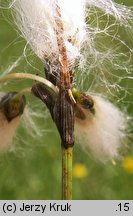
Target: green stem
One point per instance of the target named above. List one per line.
(23, 92)
(47, 83)
(67, 173)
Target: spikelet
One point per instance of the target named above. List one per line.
(102, 131)
(11, 110)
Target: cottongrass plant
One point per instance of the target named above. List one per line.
(63, 34)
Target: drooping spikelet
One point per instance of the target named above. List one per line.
(11, 110)
(102, 129)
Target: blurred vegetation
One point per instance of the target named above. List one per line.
(31, 169)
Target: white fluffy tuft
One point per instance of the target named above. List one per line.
(7, 130)
(36, 21)
(101, 133)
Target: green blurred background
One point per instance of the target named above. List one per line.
(31, 168)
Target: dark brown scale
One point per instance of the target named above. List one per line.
(11, 106)
(79, 113)
(84, 102)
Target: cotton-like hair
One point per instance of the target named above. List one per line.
(102, 134)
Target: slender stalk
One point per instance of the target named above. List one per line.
(69, 169)
(47, 83)
(66, 173)
(23, 92)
